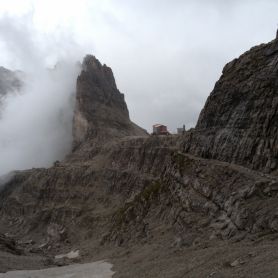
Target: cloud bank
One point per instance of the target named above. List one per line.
(36, 123)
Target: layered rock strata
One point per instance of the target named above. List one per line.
(239, 122)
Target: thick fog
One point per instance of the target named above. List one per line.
(166, 57)
(36, 121)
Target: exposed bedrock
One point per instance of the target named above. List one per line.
(240, 119)
(101, 113)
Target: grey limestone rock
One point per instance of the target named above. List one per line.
(101, 112)
(239, 122)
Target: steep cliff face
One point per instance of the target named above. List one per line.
(239, 122)
(101, 112)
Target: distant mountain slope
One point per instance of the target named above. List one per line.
(9, 82)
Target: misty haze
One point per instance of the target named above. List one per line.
(138, 138)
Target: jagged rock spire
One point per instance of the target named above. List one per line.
(101, 112)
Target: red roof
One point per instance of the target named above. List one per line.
(157, 125)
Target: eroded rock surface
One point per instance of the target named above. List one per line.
(239, 122)
(8, 244)
(101, 112)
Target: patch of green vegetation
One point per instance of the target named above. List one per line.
(119, 216)
(149, 193)
(179, 160)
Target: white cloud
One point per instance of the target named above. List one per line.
(36, 125)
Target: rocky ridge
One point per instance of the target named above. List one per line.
(239, 123)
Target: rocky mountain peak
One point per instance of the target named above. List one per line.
(101, 112)
(101, 73)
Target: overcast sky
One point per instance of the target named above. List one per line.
(166, 54)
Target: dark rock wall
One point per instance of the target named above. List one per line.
(101, 112)
(239, 122)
